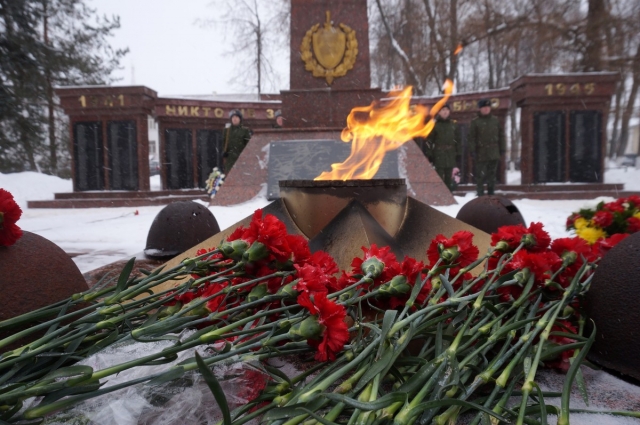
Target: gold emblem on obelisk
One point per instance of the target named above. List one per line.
(329, 52)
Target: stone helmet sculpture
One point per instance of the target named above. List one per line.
(178, 227)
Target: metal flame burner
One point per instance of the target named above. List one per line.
(313, 204)
(340, 217)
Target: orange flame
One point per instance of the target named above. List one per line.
(375, 130)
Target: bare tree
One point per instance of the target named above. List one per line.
(256, 29)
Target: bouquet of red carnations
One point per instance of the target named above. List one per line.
(392, 341)
(614, 219)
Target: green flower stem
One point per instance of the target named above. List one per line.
(414, 294)
(506, 395)
(328, 381)
(252, 415)
(364, 396)
(349, 383)
(405, 417)
(527, 387)
(365, 279)
(230, 289)
(15, 337)
(366, 417)
(219, 333)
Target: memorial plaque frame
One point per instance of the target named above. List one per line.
(106, 104)
(203, 115)
(572, 94)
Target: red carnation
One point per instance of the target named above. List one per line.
(571, 220)
(602, 246)
(267, 230)
(534, 238)
(384, 255)
(573, 251)
(603, 218)
(458, 250)
(633, 224)
(311, 279)
(615, 206)
(540, 264)
(215, 303)
(325, 262)
(635, 200)
(299, 247)
(331, 317)
(411, 268)
(509, 235)
(10, 213)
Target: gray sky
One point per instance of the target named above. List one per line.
(168, 51)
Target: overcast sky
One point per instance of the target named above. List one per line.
(168, 51)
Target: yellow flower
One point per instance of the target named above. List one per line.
(580, 223)
(591, 234)
(637, 215)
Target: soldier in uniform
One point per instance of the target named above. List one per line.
(279, 120)
(235, 137)
(444, 144)
(486, 146)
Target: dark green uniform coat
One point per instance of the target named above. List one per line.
(444, 145)
(486, 145)
(234, 139)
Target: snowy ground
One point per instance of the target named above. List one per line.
(103, 235)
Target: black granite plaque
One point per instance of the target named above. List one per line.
(209, 146)
(123, 155)
(87, 155)
(548, 147)
(178, 161)
(585, 150)
(307, 159)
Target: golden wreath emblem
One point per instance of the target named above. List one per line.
(329, 52)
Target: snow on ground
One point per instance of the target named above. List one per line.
(103, 235)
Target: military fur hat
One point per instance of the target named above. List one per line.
(484, 102)
(446, 105)
(235, 112)
(279, 114)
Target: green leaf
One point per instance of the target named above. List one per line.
(122, 280)
(582, 386)
(447, 285)
(387, 322)
(215, 388)
(543, 407)
(275, 372)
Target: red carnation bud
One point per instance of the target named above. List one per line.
(234, 249)
(256, 252)
(396, 286)
(309, 328)
(372, 267)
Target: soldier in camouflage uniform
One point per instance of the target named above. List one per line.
(444, 145)
(235, 137)
(486, 146)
